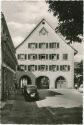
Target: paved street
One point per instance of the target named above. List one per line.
(58, 106)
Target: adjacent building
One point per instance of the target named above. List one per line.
(48, 57)
(8, 61)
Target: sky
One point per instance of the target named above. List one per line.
(22, 17)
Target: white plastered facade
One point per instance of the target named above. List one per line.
(51, 36)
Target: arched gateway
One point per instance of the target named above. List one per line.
(42, 82)
(60, 82)
(25, 78)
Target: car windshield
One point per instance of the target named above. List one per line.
(31, 87)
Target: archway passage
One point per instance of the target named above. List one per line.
(60, 82)
(25, 80)
(42, 82)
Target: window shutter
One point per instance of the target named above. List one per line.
(50, 45)
(18, 56)
(28, 45)
(68, 68)
(57, 68)
(29, 67)
(57, 45)
(39, 45)
(36, 56)
(35, 67)
(39, 56)
(57, 56)
(46, 56)
(36, 45)
(46, 68)
(25, 56)
(38, 67)
(50, 67)
(49, 56)
(25, 67)
(60, 68)
(46, 45)
(28, 56)
(66, 56)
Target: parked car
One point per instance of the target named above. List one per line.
(81, 88)
(30, 92)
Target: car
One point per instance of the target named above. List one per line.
(81, 88)
(30, 92)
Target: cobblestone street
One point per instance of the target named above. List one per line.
(44, 111)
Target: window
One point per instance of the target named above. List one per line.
(54, 56)
(32, 68)
(42, 68)
(54, 45)
(64, 68)
(22, 56)
(43, 56)
(42, 45)
(65, 56)
(32, 56)
(21, 67)
(54, 68)
(32, 45)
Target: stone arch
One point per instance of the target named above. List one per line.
(20, 74)
(42, 82)
(60, 82)
(25, 80)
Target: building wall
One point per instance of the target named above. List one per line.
(49, 37)
(8, 62)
